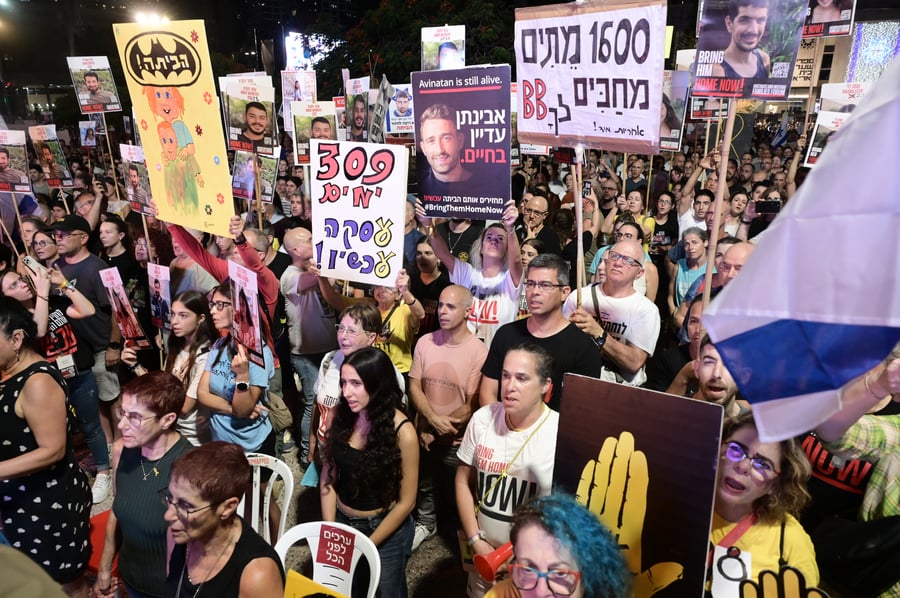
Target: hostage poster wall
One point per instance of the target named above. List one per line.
(748, 50)
(463, 141)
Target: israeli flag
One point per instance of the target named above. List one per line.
(781, 134)
(818, 302)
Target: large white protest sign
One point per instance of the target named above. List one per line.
(826, 124)
(359, 203)
(591, 73)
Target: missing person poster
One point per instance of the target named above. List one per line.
(400, 112)
(615, 452)
(358, 193)
(747, 48)
(160, 295)
(312, 120)
(169, 76)
(137, 181)
(443, 48)
(827, 18)
(245, 306)
(340, 116)
(591, 73)
(842, 97)
(131, 330)
(87, 133)
(94, 84)
(379, 110)
(826, 124)
(246, 167)
(50, 156)
(708, 108)
(13, 162)
(251, 114)
(676, 85)
(463, 141)
(296, 86)
(357, 112)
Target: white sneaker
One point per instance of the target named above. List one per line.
(421, 534)
(100, 489)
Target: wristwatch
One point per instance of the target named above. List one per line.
(242, 386)
(115, 345)
(600, 340)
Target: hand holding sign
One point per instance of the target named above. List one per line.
(614, 488)
(787, 583)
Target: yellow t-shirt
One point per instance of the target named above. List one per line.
(504, 589)
(399, 345)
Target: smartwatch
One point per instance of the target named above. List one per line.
(242, 386)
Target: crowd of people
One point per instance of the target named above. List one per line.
(416, 404)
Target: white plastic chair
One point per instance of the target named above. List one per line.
(334, 557)
(259, 521)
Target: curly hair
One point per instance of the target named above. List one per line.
(595, 551)
(789, 493)
(381, 470)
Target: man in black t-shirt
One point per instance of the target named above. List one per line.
(546, 289)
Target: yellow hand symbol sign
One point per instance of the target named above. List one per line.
(787, 583)
(602, 489)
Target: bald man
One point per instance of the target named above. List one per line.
(733, 260)
(629, 323)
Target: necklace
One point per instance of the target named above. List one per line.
(154, 470)
(187, 560)
(450, 240)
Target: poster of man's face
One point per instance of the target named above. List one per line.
(94, 84)
(251, 125)
(443, 48)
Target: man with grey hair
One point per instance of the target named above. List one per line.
(443, 385)
(546, 289)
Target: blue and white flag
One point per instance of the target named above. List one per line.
(818, 302)
(781, 134)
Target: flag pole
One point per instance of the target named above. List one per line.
(579, 221)
(722, 167)
(113, 169)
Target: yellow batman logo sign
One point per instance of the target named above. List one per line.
(162, 58)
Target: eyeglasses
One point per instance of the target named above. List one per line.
(41, 243)
(619, 235)
(663, 202)
(628, 261)
(20, 282)
(219, 305)
(610, 188)
(65, 234)
(348, 331)
(530, 212)
(134, 419)
(544, 286)
(762, 467)
(183, 511)
(561, 582)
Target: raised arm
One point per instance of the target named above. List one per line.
(513, 257)
(792, 168)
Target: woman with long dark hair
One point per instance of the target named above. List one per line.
(371, 461)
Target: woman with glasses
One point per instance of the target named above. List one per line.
(42, 486)
(188, 347)
(44, 247)
(359, 327)
(492, 273)
(142, 462)
(561, 549)
(760, 491)
(215, 553)
(232, 387)
(371, 465)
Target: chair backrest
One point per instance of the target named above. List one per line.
(259, 504)
(335, 550)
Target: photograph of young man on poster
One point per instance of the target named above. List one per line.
(746, 22)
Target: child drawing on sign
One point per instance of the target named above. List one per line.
(181, 167)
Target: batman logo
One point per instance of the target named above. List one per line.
(162, 58)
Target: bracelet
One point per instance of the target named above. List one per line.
(746, 221)
(410, 302)
(134, 367)
(64, 285)
(114, 345)
(478, 536)
(240, 240)
(45, 298)
(869, 389)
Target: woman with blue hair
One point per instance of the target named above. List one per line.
(561, 549)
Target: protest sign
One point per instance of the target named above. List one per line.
(169, 76)
(50, 156)
(94, 84)
(357, 103)
(842, 97)
(312, 120)
(340, 116)
(131, 330)
(610, 434)
(245, 306)
(804, 67)
(160, 295)
(463, 138)
(591, 73)
(826, 124)
(380, 110)
(748, 50)
(708, 108)
(87, 132)
(741, 134)
(251, 114)
(827, 19)
(358, 195)
(13, 162)
(400, 114)
(137, 180)
(243, 181)
(296, 86)
(676, 85)
(443, 48)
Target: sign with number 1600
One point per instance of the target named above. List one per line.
(358, 193)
